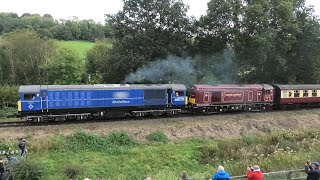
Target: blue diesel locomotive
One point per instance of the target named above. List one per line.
(62, 102)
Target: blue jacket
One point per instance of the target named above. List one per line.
(221, 175)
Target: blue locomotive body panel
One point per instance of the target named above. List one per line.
(45, 98)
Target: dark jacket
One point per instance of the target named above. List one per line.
(313, 174)
(221, 175)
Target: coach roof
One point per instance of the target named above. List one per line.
(299, 87)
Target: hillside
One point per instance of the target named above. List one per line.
(80, 47)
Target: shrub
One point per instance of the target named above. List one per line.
(207, 153)
(157, 136)
(249, 139)
(9, 96)
(120, 139)
(30, 170)
(72, 171)
(81, 140)
(6, 112)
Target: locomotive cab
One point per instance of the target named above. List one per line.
(29, 99)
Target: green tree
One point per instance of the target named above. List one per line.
(144, 31)
(97, 60)
(25, 51)
(64, 66)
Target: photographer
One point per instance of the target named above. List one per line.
(312, 170)
(254, 173)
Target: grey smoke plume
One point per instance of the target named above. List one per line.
(213, 69)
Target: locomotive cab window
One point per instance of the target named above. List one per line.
(305, 93)
(29, 97)
(296, 93)
(179, 93)
(314, 93)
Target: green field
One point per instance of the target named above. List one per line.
(80, 47)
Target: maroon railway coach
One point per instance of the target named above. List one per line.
(293, 96)
(219, 98)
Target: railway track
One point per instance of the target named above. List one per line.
(91, 121)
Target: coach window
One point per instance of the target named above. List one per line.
(290, 94)
(296, 93)
(285, 94)
(305, 93)
(29, 97)
(314, 93)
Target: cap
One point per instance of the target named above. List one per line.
(316, 164)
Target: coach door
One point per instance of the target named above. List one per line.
(206, 97)
(44, 101)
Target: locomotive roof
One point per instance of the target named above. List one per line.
(227, 86)
(37, 88)
(299, 86)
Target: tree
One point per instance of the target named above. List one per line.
(25, 52)
(64, 66)
(97, 61)
(144, 31)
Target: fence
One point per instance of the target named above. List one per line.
(280, 175)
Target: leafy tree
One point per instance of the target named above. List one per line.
(97, 61)
(144, 31)
(64, 66)
(25, 51)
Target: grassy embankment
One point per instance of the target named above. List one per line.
(118, 156)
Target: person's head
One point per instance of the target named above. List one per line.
(315, 165)
(184, 175)
(220, 168)
(256, 167)
(148, 178)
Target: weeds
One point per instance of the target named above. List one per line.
(157, 136)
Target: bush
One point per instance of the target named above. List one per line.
(249, 139)
(6, 112)
(30, 170)
(86, 141)
(72, 171)
(157, 136)
(9, 96)
(207, 153)
(120, 139)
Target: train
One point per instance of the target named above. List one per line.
(39, 103)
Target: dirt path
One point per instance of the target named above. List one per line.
(185, 127)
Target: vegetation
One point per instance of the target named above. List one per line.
(47, 27)
(79, 47)
(117, 156)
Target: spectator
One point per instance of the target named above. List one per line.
(312, 171)
(1, 169)
(255, 173)
(184, 176)
(22, 146)
(221, 174)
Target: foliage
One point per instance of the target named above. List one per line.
(144, 31)
(47, 27)
(97, 58)
(72, 171)
(64, 67)
(25, 52)
(157, 136)
(120, 139)
(9, 96)
(28, 170)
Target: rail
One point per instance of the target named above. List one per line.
(288, 175)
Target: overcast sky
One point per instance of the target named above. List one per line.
(92, 9)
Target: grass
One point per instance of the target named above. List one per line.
(119, 156)
(80, 47)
